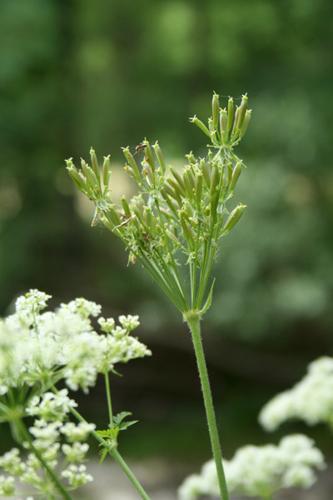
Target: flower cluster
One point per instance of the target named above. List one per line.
(260, 471)
(178, 216)
(48, 431)
(38, 348)
(311, 399)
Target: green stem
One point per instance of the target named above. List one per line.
(108, 397)
(57, 483)
(117, 457)
(193, 322)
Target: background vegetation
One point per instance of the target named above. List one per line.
(107, 73)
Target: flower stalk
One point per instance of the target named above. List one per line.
(194, 325)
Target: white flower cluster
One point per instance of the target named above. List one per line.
(310, 400)
(48, 432)
(37, 347)
(260, 471)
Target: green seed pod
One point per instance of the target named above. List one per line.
(171, 204)
(186, 230)
(241, 112)
(214, 180)
(148, 173)
(215, 110)
(198, 190)
(224, 124)
(94, 162)
(159, 156)
(189, 182)
(246, 122)
(113, 216)
(235, 175)
(126, 207)
(205, 171)
(178, 178)
(190, 157)
(175, 185)
(200, 125)
(231, 115)
(75, 175)
(233, 218)
(149, 154)
(148, 217)
(106, 171)
(92, 180)
(132, 163)
(172, 193)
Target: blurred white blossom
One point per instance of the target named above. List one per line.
(311, 399)
(260, 471)
(38, 347)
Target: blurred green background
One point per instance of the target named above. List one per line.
(108, 73)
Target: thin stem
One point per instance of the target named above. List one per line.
(116, 456)
(194, 325)
(108, 397)
(57, 483)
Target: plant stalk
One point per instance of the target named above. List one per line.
(117, 457)
(194, 326)
(57, 483)
(108, 397)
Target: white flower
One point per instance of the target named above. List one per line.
(76, 475)
(47, 432)
(75, 452)
(7, 486)
(51, 406)
(77, 432)
(83, 307)
(311, 399)
(260, 471)
(129, 322)
(12, 463)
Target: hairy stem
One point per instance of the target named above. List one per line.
(194, 325)
(54, 478)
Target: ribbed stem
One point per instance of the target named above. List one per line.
(194, 325)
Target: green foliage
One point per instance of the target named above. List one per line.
(110, 436)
